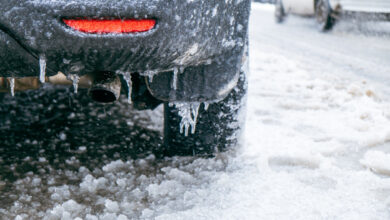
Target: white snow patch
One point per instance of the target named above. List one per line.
(377, 161)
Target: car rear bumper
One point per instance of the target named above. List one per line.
(365, 6)
(191, 33)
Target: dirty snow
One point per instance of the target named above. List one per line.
(317, 147)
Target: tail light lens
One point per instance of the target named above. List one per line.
(116, 26)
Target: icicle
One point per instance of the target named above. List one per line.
(127, 78)
(195, 114)
(206, 105)
(151, 78)
(42, 66)
(12, 86)
(189, 116)
(181, 69)
(75, 79)
(175, 74)
(150, 74)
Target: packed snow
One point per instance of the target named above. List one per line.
(317, 146)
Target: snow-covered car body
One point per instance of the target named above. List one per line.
(307, 7)
(301, 7)
(328, 11)
(203, 40)
(368, 6)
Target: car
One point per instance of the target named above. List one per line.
(328, 11)
(189, 56)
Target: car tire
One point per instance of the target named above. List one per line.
(218, 126)
(280, 14)
(323, 14)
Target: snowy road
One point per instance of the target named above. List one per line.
(317, 143)
(352, 48)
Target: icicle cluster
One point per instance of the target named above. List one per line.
(189, 116)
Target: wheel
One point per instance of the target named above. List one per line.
(324, 16)
(217, 128)
(280, 14)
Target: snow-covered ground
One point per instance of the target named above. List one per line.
(317, 143)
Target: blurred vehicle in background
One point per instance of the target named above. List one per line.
(327, 12)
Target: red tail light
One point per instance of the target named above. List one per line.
(116, 26)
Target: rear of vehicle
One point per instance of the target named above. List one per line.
(327, 12)
(360, 9)
(187, 53)
(365, 6)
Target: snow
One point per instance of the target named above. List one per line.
(377, 161)
(317, 146)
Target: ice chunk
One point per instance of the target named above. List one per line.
(114, 166)
(111, 206)
(91, 184)
(68, 210)
(122, 217)
(42, 67)
(91, 217)
(189, 116)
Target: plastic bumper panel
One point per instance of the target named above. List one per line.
(14, 59)
(206, 38)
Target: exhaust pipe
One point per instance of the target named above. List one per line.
(106, 88)
(103, 87)
(32, 83)
(20, 84)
